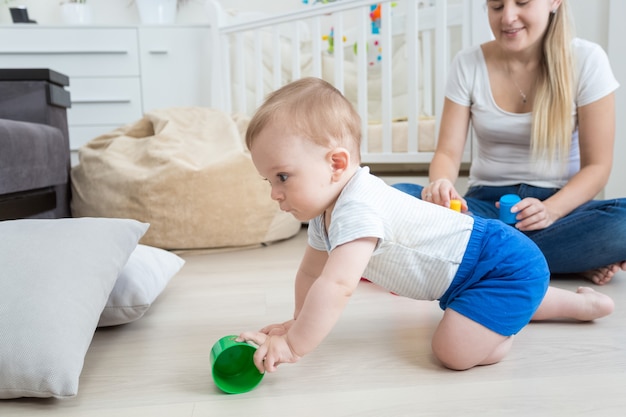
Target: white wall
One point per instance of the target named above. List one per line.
(602, 21)
(596, 20)
(124, 12)
(591, 16)
(617, 46)
(591, 19)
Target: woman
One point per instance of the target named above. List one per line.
(543, 112)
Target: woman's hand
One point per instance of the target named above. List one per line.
(532, 214)
(440, 192)
(272, 351)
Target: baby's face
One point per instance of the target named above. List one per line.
(298, 171)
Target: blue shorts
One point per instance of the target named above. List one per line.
(502, 278)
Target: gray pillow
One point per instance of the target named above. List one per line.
(55, 278)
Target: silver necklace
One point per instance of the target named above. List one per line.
(521, 93)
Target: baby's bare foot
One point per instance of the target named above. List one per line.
(596, 304)
(603, 275)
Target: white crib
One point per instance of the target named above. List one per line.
(397, 86)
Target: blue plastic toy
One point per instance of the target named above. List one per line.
(506, 202)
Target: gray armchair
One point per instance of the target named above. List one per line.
(34, 144)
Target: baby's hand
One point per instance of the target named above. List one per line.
(272, 351)
(277, 329)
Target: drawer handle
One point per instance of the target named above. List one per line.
(158, 52)
(68, 52)
(100, 100)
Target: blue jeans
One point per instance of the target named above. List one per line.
(590, 237)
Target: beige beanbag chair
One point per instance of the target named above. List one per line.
(186, 172)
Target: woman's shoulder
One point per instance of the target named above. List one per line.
(594, 74)
(585, 49)
(467, 61)
(590, 59)
(472, 54)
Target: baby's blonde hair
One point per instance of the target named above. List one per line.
(552, 109)
(313, 108)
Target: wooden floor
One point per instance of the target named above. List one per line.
(376, 362)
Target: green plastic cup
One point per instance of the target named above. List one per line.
(232, 366)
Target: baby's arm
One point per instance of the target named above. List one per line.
(310, 268)
(329, 294)
(319, 303)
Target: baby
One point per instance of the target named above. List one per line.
(490, 279)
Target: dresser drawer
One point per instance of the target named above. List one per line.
(79, 135)
(75, 52)
(97, 101)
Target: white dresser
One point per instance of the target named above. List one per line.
(116, 73)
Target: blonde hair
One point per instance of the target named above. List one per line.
(314, 109)
(552, 125)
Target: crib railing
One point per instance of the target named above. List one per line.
(430, 25)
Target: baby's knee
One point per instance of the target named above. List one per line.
(451, 361)
(450, 357)
(462, 359)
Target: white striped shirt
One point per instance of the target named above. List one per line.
(420, 244)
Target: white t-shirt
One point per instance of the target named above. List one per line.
(420, 244)
(503, 138)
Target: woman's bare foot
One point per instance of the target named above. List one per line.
(604, 275)
(596, 304)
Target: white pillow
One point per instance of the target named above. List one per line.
(144, 277)
(55, 278)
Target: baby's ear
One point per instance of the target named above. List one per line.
(340, 160)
